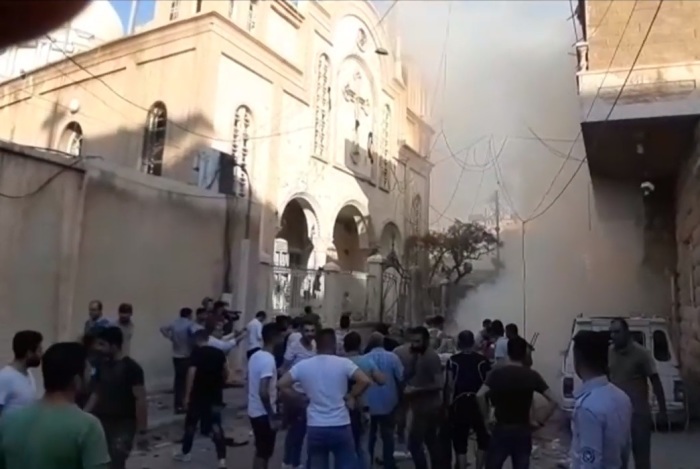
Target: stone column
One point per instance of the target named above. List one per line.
(332, 292)
(375, 288)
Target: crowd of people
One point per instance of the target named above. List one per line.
(420, 392)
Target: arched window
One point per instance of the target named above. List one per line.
(241, 146)
(384, 160)
(323, 105)
(154, 140)
(71, 141)
(416, 215)
(252, 14)
(174, 10)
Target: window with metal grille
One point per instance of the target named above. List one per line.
(385, 160)
(240, 149)
(252, 14)
(72, 139)
(154, 140)
(416, 219)
(322, 105)
(174, 9)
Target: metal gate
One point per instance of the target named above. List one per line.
(394, 299)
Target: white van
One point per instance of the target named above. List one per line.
(653, 334)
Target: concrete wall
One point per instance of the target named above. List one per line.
(687, 312)
(101, 232)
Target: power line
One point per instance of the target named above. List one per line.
(612, 108)
(590, 110)
(168, 119)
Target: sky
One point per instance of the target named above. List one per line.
(144, 14)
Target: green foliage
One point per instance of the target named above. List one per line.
(451, 252)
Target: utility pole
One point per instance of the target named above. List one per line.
(498, 229)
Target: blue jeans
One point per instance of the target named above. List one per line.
(385, 425)
(514, 441)
(324, 441)
(296, 431)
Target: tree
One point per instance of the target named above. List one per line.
(451, 252)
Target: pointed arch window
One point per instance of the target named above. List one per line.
(174, 10)
(252, 15)
(323, 105)
(241, 148)
(71, 141)
(416, 219)
(154, 139)
(385, 160)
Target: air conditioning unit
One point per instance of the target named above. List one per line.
(215, 171)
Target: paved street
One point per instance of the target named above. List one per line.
(677, 450)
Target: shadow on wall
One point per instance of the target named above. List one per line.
(103, 230)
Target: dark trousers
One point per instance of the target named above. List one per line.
(424, 433)
(641, 440)
(120, 436)
(208, 416)
(358, 432)
(384, 425)
(295, 421)
(180, 365)
(509, 441)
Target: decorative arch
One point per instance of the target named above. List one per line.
(311, 207)
(376, 36)
(390, 239)
(359, 213)
(71, 140)
(298, 227)
(154, 138)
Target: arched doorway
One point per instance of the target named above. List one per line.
(297, 281)
(352, 238)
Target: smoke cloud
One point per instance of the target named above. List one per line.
(510, 67)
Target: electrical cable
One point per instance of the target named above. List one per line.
(580, 165)
(168, 119)
(590, 110)
(594, 146)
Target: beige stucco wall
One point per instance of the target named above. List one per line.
(664, 81)
(103, 232)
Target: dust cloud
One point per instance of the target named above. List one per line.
(510, 68)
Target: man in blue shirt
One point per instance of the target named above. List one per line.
(179, 334)
(95, 321)
(603, 413)
(382, 400)
(352, 343)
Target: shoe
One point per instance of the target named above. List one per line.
(222, 464)
(178, 456)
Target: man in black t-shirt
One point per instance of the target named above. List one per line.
(204, 397)
(510, 388)
(119, 396)
(465, 373)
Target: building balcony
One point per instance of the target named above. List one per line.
(650, 92)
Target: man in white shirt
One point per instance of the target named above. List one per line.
(254, 328)
(500, 351)
(262, 396)
(324, 379)
(17, 385)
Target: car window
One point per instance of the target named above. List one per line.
(662, 352)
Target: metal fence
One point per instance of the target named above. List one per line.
(294, 288)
